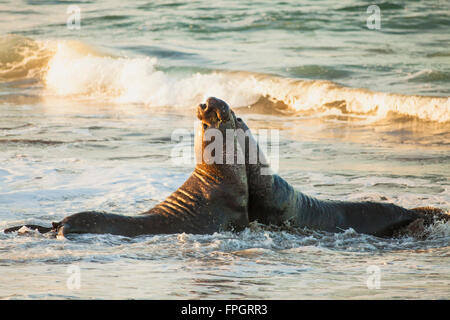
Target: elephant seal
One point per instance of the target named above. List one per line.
(273, 201)
(214, 198)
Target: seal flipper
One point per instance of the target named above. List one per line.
(41, 229)
(427, 216)
(431, 214)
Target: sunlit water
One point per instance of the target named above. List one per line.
(84, 128)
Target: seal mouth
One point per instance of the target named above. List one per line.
(214, 110)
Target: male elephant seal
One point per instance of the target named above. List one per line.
(214, 198)
(272, 200)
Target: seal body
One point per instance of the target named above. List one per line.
(272, 200)
(224, 193)
(214, 198)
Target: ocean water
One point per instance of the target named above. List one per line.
(87, 117)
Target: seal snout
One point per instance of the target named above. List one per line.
(213, 109)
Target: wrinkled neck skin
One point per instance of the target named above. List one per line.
(214, 155)
(213, 199)
(272, 200)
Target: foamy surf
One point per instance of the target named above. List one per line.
(75, 70)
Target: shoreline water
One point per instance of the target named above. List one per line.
(87, 116)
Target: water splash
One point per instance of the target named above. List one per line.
(76, 71)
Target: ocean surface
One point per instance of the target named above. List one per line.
(87, 118)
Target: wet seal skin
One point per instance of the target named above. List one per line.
(273, 201)
(220, 195)
(214, 198)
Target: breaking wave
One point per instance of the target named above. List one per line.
(75, 70)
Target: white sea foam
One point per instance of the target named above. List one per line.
(77, 71)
